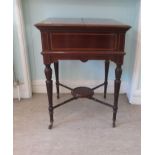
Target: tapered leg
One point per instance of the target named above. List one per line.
(118, 73)
(106, 77)
(56, 68)
(49, 85)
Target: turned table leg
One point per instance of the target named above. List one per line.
(49, 86)
(56, 68)
(106, 77)
(118, 73)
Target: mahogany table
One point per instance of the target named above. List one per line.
(82, 39)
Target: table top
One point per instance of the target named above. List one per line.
(88, 22)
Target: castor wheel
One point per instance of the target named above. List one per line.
(113, 125)
(50, 126)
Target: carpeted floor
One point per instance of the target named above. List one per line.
(81, 127)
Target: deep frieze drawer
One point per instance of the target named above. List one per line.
(83, 41)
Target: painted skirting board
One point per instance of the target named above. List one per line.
(39, 86)
(135, 98)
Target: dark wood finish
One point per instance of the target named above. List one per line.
(118, 73)
(82, 39)
(106, 77)
(56, 68)
(98, 86)
(60, 104)
(101, 102)
(60, 84)
(82, 92)
(49, 85)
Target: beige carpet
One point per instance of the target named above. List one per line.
(81, 127)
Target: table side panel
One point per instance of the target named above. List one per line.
(82, 45)
(76, 41)
(83, 41)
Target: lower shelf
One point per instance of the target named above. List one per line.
(82, 92)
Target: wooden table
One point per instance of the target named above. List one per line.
(82, 39)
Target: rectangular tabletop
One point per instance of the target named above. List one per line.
(89, 22)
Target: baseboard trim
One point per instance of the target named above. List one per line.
(39, 86)
(136, 98)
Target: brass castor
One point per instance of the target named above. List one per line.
(50, 126)
(113, 125)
